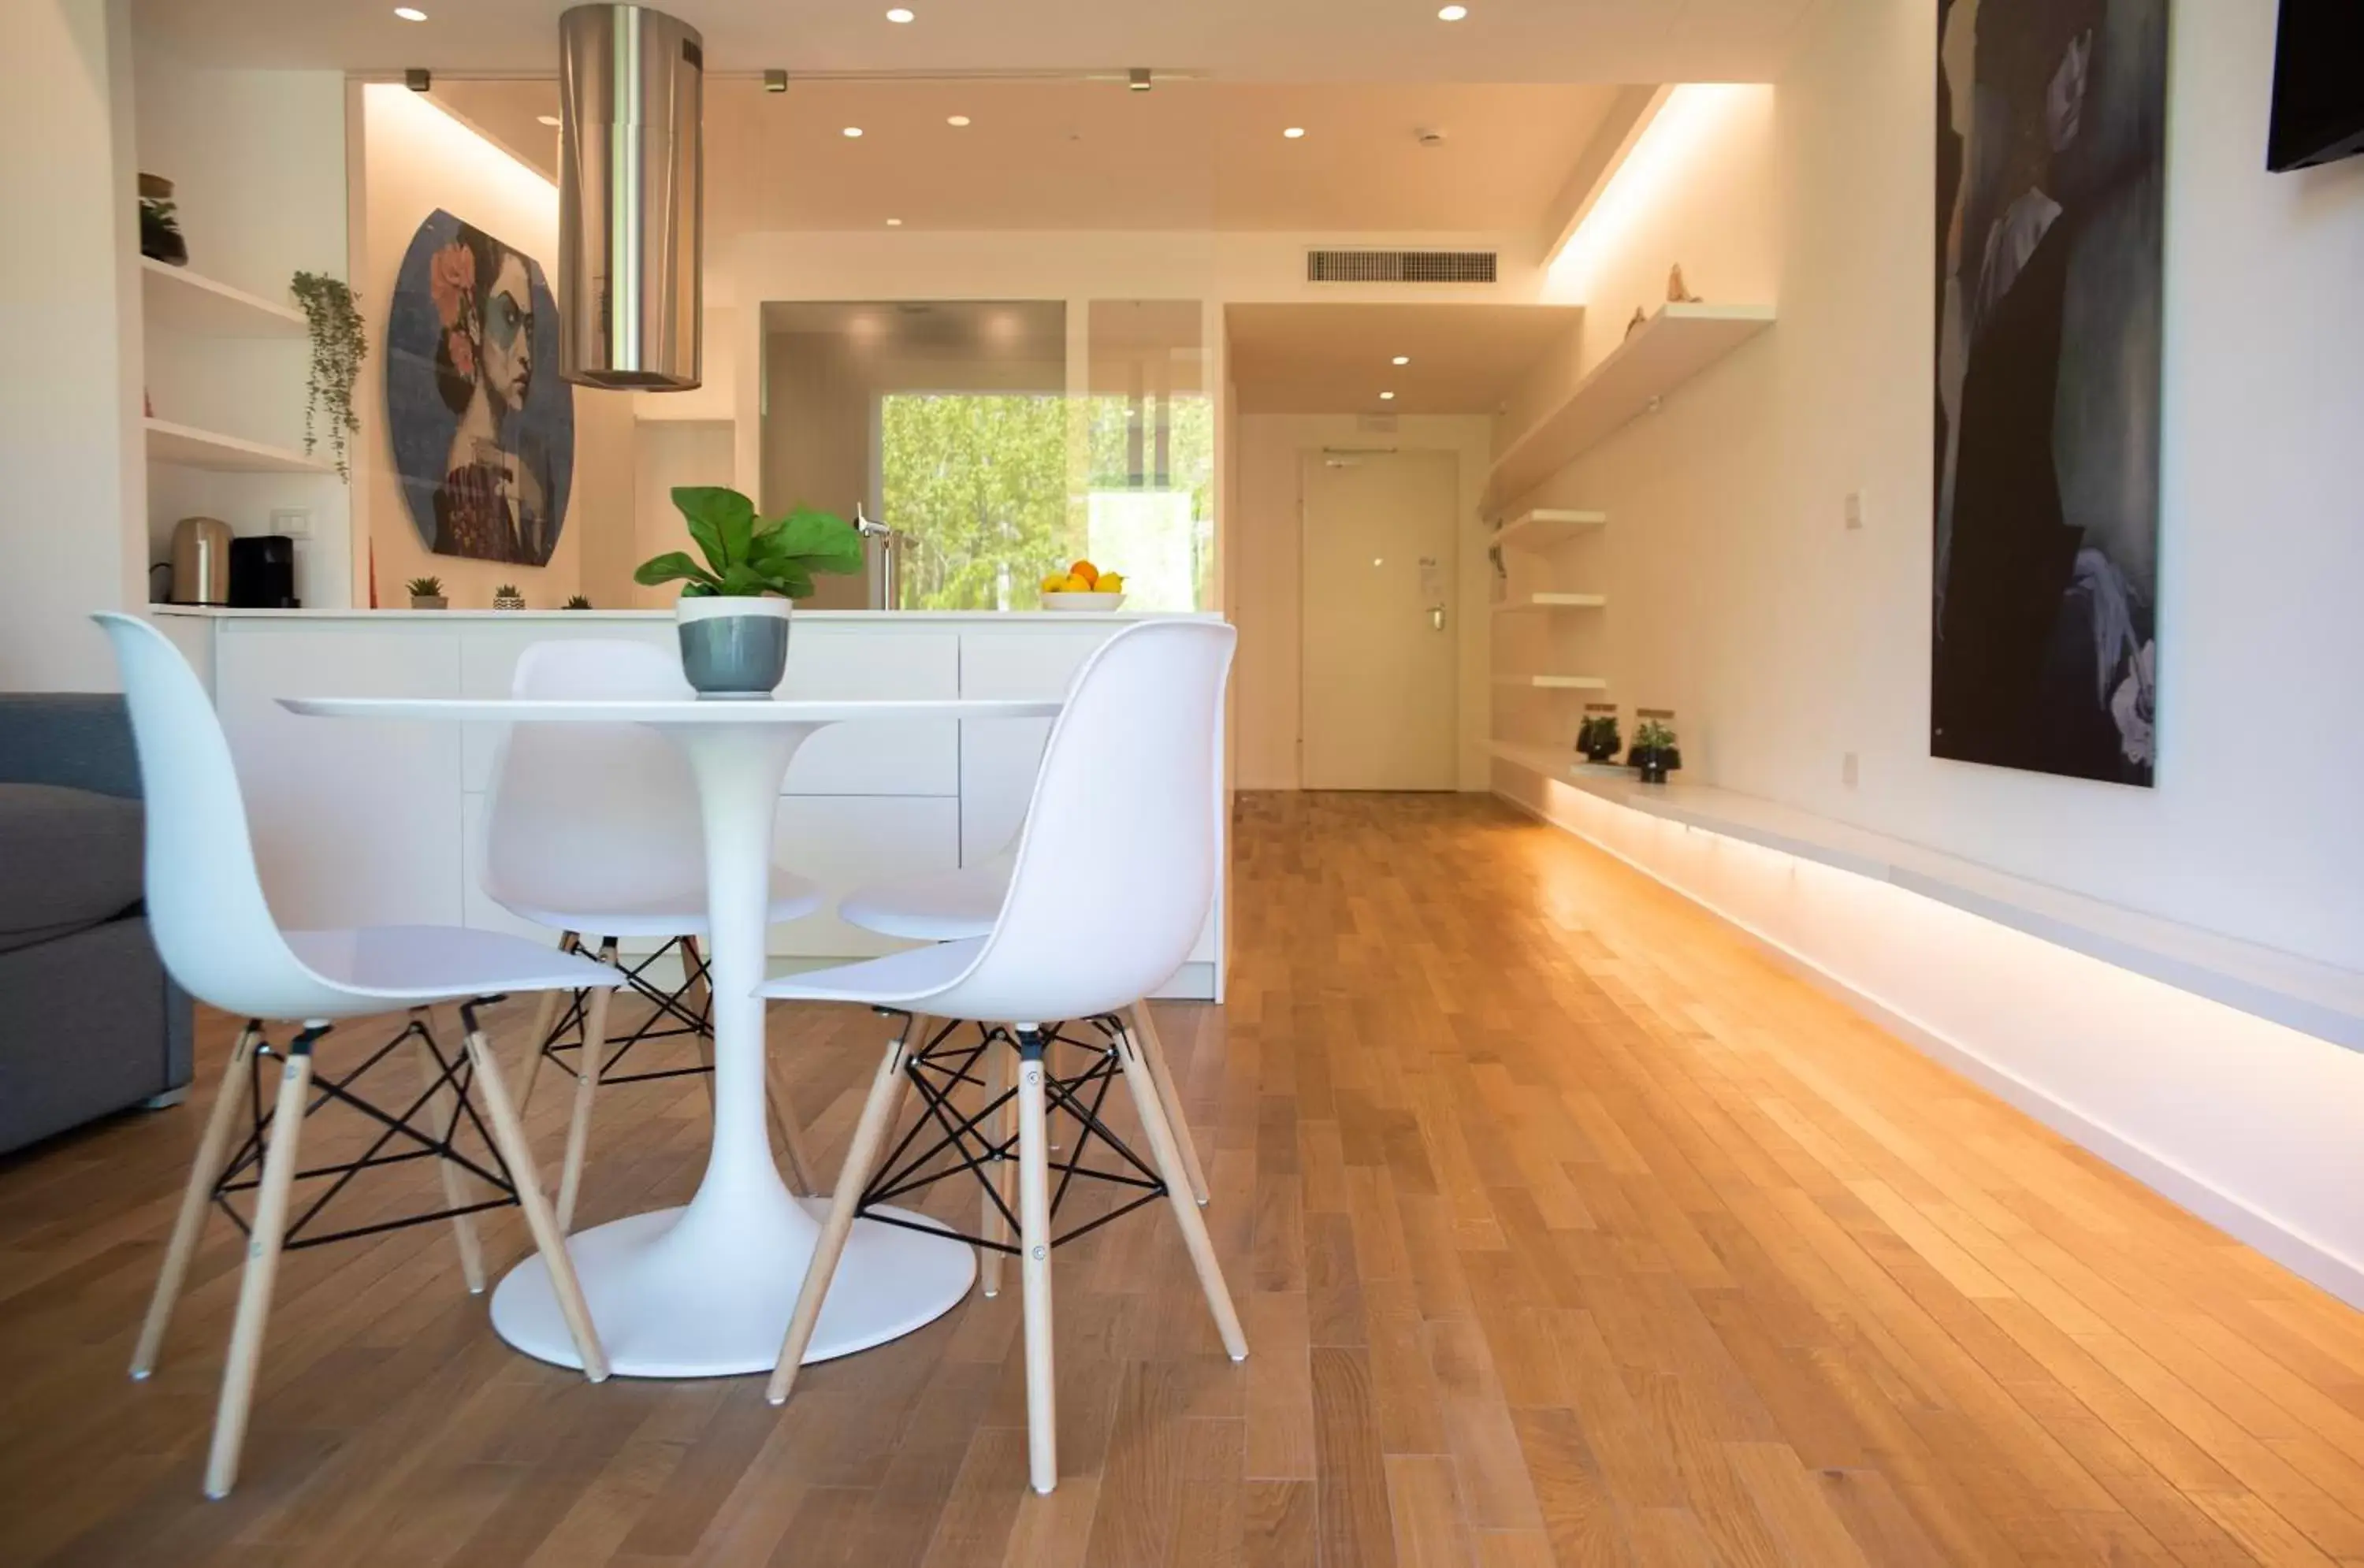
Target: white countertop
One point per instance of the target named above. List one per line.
(834, 617)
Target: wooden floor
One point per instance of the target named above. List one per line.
(1566, 1227)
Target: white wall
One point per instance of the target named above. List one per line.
(1785, 640)
(1265, 541)
(73, 495)
(416, 158)
(257, 158)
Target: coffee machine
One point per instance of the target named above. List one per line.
(262, 572)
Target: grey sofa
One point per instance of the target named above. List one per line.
(89, 1023)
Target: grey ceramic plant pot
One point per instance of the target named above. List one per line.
(733, 650)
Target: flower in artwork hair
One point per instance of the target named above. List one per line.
(452, 281)
(462, 354)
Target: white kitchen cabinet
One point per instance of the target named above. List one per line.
(360, 823)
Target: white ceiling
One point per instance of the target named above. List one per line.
(1251, 40)
(1089, 156)
(1330, 358)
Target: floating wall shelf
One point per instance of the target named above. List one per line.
(1546, 602)
(1546, 526)
(192, 448)
(1555, 682)
(1668, 349)
(178, 300)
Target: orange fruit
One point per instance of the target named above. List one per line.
(1084, 570)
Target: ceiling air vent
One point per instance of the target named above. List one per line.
(1400, 266)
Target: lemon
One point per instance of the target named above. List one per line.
(1056, 583)
(1111, 583)
(1078, 585)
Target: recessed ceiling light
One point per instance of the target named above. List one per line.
(1403, 358)
(1453, 13)
(547, 120)
(1387, 397)
(893, 223)
(410, 13)
(956, 119)
(1294, 133)
(900, 14)
(854, 130)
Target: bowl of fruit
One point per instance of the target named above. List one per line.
(1083, 586)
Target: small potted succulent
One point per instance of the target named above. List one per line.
(507, 597)
(733, 617)
(1654, 755)
(575, 602)
(1598, 737)
(426, 594)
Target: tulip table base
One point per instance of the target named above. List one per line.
(670, 1303)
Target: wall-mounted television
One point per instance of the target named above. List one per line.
(2318, 84)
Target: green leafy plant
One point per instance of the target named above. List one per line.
(748, 556)
(575, 602)
(425, 588)
(1598, 737)
(1654, 737)
(507, 591)
(340, 344)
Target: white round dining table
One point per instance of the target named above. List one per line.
(706, 1290)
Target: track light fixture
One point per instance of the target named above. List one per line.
(775, 80)
(1138, 79)
(418, 79)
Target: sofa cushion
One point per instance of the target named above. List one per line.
(69, 859)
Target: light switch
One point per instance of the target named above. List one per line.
(293, 521)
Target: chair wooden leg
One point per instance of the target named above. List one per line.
(1152, 1052)
(587, 1088)
(544, 1015)
(262, 1270)
(443, 1111)
(1142, 1082)
(996, 1228)
(1034, 1267)
(549, 1238)
(213, 1150)
(878, 1113)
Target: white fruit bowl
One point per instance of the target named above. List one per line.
(1101, 602)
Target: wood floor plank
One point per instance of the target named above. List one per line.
(1564, 1226)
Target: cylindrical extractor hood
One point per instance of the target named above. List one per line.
(630, 197)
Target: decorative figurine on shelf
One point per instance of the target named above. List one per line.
(1679, 292)
(160, 230)
(426, 594)
(1641, 319)
(1598, 737)
(1654, 755)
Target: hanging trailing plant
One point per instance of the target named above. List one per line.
(340, 344)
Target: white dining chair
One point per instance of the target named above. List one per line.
(1131, 761)
(957, 906)
(219, 939)
(558, 789)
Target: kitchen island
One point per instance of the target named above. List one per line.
(381, 823)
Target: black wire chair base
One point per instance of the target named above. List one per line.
(938, 1069)
(404, 1135)
(564, 1044)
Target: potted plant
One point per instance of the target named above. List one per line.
(733, 617)
(1597, 738)
(575, 602)
(426, 594)
(1654, 755)
(507, 597)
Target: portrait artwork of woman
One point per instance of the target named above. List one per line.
(485, 465)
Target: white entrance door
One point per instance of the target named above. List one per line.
(1378, 700)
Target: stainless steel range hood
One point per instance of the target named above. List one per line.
(631, 198)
